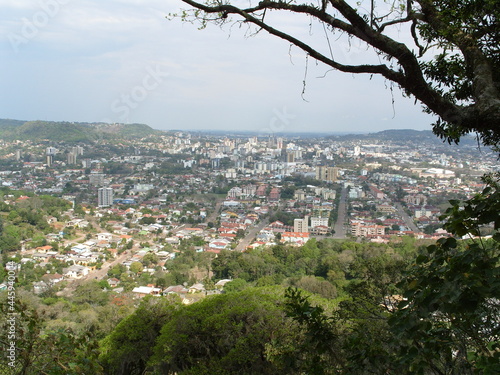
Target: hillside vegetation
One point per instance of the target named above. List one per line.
(70, 131)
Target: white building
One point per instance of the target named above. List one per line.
(319, 221)
(105, 197)
(76, 272)
(301, 225)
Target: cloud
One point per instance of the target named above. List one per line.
(91, 53)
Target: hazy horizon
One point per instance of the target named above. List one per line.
(123, 61)
(234, 131)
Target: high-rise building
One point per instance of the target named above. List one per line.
(279, 143)
(77, 150)
(105, 197)
(72, 156)
(50, 151)
(327, 173)
(301, 225)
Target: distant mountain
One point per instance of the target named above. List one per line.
(71, 131)
(390, 135)
(7, 125)
(403, 136)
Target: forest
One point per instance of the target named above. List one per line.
(328, 307)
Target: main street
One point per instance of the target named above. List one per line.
(407, 219)
(339, 227)
(247, 240)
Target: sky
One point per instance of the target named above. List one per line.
(125, 61)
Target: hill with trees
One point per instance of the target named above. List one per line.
(71, 131)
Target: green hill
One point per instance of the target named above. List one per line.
(71, 131)
(8, 125)
(54, 131)
(403, 136)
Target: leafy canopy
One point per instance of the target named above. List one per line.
(451, 65)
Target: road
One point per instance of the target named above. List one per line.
(99, 274)
(247, 240)
(339, 226)
(213, 216)
(93, 274)
(407, 219)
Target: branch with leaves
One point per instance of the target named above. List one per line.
(460, 84)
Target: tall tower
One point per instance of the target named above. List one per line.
(49, 153)
(72, 156)
(105, 197)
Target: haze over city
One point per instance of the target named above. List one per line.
(124, 61)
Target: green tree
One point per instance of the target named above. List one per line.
(236, 285)
(449, 320)
(127, 349)
(40, 350)
(317, 285)
(90, 293)
(225, 334)
(147, 220)
(149, 259)
(117, 270)
(458, 82)
(136, 267)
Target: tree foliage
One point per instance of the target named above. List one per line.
(128, 348)
(451, 66)
(225, 334)
(45, 351)
(450, 318)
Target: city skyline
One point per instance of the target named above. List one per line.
(125, 62)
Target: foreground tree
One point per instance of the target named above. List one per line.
(236, 333)
(128, 347)
(448, 319)
(452, 67)
(35, 350)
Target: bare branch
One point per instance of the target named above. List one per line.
(408, 18)
(371, 69)
(413, 30)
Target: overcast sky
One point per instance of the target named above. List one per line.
(123, 61)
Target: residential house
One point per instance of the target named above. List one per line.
(142, 291)
(298, 238)
(76, 272)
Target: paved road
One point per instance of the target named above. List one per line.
(247, 240)
(99, 274)
(407, 219)
(339, 226)
(213, 216)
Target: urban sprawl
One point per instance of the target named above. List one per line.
(141, 200)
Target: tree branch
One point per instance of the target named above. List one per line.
(367, 68)
(483, 115)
